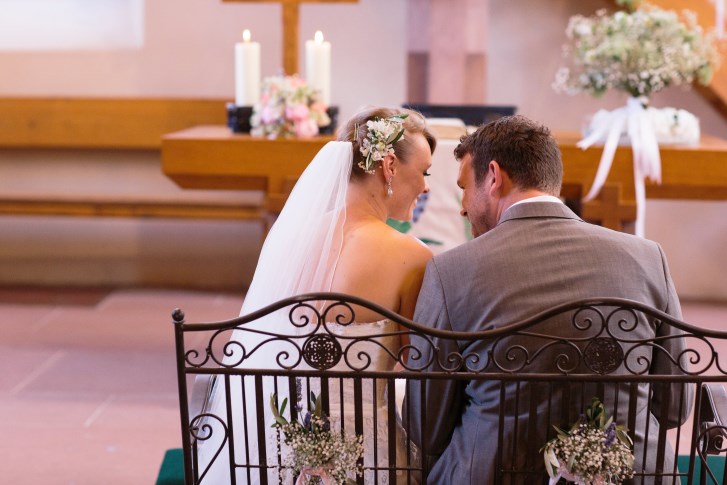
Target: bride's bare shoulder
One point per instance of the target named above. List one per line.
(411, 246)
(387, 241)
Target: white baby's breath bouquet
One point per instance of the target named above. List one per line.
(318, 455)
(594, 451)
(639, 52)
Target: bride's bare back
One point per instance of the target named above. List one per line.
(377, 262)
(381, 265)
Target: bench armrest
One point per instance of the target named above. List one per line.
(714, 418)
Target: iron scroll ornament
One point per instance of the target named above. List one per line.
(598, 324)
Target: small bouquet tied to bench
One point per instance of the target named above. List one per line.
(318, 455)
(594, 451)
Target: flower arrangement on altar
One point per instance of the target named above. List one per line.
(594, 451)
(288, 108)
(639, 52)
(318, 455)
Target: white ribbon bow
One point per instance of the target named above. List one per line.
(314, 471)
(647, 161)
(575, 479)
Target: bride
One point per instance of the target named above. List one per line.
(332, 236)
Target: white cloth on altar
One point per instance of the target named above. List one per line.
(440, 224)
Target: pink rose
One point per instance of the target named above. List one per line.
(268, 115)
(306, 128)
(298, 111)
(296, 82)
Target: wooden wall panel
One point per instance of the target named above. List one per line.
(129, 123)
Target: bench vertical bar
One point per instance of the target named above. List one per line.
(695, 431)
(261, 445)
(425, 429)
(358, 414)
(230, 430)
(178, 320)
(499, 472)
(391, 428)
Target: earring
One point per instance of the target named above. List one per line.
(389, 190)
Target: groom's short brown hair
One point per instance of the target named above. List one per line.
(523, 148)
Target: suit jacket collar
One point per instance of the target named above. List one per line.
(538, 210)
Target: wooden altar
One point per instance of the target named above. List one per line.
(212, 157)
(688, 172)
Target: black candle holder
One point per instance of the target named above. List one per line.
(238, 119)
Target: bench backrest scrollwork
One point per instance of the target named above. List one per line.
(531, 376)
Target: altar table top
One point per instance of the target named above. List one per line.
(212, 157)
(688, 172)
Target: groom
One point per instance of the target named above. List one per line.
(529, 252)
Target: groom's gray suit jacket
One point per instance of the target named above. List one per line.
(539, 255)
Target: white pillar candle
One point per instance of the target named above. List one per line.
(318, 66)
(247, 71)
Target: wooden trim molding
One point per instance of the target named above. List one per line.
(91, 206)
(126, 123)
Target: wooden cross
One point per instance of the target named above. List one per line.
(291, 16)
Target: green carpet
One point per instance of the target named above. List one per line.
(715, 464)
(172, 469)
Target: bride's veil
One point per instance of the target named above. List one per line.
(299, 256)
(303, 246)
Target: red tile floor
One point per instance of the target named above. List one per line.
(88, 386)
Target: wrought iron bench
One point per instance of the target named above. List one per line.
(601, 361)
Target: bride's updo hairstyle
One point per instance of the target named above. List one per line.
(413, 124)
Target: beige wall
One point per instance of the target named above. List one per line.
(188, 52)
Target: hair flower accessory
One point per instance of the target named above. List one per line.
(380, 139)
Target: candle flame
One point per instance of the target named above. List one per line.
(318, 37)
(246, 35)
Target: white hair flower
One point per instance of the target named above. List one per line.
(380, 139)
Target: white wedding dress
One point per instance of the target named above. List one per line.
(300, 256)
(375, 397)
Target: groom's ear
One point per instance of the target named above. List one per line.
(501, 183)
(495, 172)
